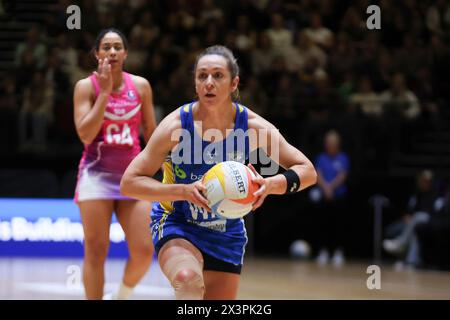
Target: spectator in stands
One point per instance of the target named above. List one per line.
(438, 17)
(146, 30)
(210, 12)
(280, 37)
(423, 204)
(320, 35)
(67, 53)
(399, 99)
(36, 112)
(33, 44)
(245, 36)
(262, 55)
(56, 75)
(303, 52)
(367, 99)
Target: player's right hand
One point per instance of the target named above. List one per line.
(104, 76)
(194, 193)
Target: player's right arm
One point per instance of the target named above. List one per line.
(88, 111)
(138, 182)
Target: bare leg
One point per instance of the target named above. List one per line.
(134, 217)
(96, 217)
(221, 285)
(182, 263)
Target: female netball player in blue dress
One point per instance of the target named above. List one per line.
(201, 253)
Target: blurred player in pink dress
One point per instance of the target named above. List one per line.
(110, 107)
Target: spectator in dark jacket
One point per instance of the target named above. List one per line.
(421, 207)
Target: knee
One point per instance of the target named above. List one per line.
(186, 276)
(95, 251)
(188, 284)
(142, 252)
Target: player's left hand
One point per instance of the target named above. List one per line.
(262, 192)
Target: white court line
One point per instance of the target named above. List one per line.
(147, 292)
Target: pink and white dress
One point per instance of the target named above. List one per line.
(105, 159)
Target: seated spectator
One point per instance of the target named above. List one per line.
(320, 35)
(245, 36)
(423, 204)
(438, 17)
(210, 12)
(145, 31)
(262, 55)
(280, 37)
(67, 53)
(367, 99)
(303, 52)
(400, 100)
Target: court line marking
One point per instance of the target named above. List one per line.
(56, 288)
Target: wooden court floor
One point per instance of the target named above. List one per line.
(262, 278)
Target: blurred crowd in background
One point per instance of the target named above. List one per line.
(307, 66)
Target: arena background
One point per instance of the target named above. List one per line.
(303, 88)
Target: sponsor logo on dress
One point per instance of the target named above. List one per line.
(236, 156)
(216, 225)
(131, 95)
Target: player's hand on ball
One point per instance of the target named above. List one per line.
(194, 193)
(104, 76)
(262, 192)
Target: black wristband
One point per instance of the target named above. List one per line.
(293, 181)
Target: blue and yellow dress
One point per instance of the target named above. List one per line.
(222, 239)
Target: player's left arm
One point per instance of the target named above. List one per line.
(283, 153)
(148, 110)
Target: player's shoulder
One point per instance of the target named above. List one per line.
(85, 82)
(139, 81)
(172, 121)
(84, 86)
